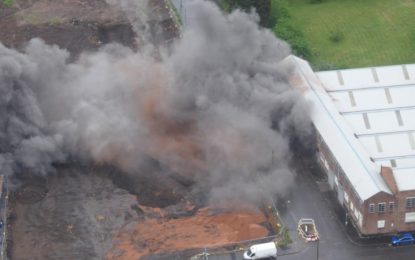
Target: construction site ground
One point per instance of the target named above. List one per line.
(80, 214)
(99, 213)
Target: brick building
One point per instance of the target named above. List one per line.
(365, 122)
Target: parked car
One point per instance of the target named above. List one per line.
(403, 239)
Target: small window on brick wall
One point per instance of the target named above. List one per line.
(391, 206)
(371, 208)
(410, 202)
(381, 207)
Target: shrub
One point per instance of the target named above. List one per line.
(336, 36)
(285, 240)
(262, 8)
(288, 30)
(8, 3)
(225, 5)
(275, 15)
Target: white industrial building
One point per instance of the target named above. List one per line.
(365, 122)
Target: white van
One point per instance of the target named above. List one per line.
(260, 251)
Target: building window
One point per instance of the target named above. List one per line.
(371, 208)
(381, 207)
(346, 197)
(381, 223)
(324, 161)
(410, 202)
(391, 206)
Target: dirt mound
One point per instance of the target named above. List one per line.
(204, 229)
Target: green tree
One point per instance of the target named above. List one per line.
(262, 7)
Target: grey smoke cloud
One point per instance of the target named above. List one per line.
(217, 108)
(139, 13)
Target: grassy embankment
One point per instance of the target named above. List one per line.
(350, 33)
(347, 33)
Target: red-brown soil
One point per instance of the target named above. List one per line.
(204, 229)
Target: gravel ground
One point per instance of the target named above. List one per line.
(75, 220)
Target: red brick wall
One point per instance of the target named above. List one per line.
(394, 221)
(370, 220)
(401, 210)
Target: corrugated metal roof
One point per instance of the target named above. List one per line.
(355, 161)
(382, 114)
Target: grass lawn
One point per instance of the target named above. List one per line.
(368, 32)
